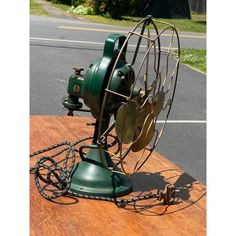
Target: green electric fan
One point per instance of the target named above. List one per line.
(129, 91)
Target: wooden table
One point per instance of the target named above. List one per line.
(187, 216)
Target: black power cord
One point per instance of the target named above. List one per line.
(57, 178)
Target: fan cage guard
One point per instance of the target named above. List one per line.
(163, 76)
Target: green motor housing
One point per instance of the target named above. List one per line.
(91, 86)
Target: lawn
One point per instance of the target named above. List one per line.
(36, 9)
(196, 24)
(194, 58)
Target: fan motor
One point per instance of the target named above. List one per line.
(91, 86)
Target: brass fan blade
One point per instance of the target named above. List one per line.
(146, 127)
(158, 104)
(143, 113)
(146, 134)
(127, 121)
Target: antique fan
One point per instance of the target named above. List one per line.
(129, 91)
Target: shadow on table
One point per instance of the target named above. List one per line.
(150, 181)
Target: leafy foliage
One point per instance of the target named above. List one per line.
(110, 8)
(76, 3)
(116, 8)
(66, 2)
(81, 10)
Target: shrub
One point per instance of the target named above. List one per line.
(81, 10)
(66, 2)
(76, 3)
(108, 8)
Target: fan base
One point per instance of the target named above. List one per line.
(91, 178)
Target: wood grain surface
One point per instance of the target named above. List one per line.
(77, 216)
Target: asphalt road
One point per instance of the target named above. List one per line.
(57, 45)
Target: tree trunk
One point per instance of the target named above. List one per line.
(198, 6)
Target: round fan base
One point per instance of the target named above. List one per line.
(91, 178)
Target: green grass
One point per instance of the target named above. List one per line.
(36, 9)
(195, 58)
(196, 24)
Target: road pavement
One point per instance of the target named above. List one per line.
(57, 45)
